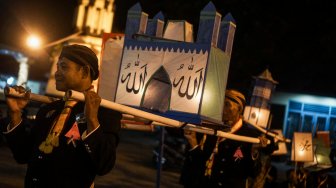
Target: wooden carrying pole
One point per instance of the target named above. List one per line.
(157, 120)
(32, 96)
(274, 135)
(163, 121)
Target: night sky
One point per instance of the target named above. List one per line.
(294, 39)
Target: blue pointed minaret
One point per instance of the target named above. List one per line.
(136, 21)
(259, 107)
(226, 34)
(209, 24)
(155, 25)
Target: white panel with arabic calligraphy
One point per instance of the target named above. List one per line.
(136, 68)
(186, 71)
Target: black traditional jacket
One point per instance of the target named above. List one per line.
(233, 163)
(71, 164)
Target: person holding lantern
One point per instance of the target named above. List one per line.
(71, 142)
(213, 161)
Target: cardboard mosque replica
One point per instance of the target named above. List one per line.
(161, 69)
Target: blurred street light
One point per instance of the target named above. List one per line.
(33, 42)
(10, 80)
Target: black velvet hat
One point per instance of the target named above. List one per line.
(236, 96)
(82, 55)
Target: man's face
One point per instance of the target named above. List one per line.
(68, 75)
(231, 112)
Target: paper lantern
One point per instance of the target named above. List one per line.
(257, 112)
(302, 147)
(172, 75)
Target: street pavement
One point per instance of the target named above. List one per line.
(134, 166)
